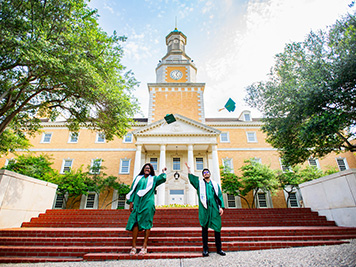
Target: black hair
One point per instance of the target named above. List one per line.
(152, 171)
(202, 172)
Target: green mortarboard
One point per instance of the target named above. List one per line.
(169, 118)
(230, 105)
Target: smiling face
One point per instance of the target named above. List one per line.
(206, 174)
(147, 170)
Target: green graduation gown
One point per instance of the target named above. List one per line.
(210, 216)
(143, 207)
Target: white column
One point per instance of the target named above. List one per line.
(138, 155)
(191, 191)
(215, 172)
(161, 190)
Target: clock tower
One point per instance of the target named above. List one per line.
(176, 89)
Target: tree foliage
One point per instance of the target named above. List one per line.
(38, 167)
(310, 98)
(56, 60)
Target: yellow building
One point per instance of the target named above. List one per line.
(199, 141)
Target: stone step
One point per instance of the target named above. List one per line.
(9, 259)
(156, 241)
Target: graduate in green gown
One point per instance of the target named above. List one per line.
(142, 204)
(211, 208)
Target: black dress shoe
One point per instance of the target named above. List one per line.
(205, 253)
(222, 253)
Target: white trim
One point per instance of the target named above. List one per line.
(84, 201)
(248, 149)
(345, 162)
(97, 138)
(231, 163)
(254, 137)
(78, 149)
(70, 138)
(227, 137)
(92, 164)
(43, 137)
(124, 139)
(316, 161)
(268, 199)
(128, 171)
(63, 162)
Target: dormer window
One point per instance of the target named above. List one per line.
(247, 117)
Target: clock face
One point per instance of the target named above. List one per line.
(176, 74)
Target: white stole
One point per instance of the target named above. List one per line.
(141, 192)
(202, 189)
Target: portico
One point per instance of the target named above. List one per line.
(171, 145)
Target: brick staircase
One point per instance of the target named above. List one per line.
(92, 235)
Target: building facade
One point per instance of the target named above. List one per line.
(201, 142)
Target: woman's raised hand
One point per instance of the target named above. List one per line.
(164, 170)
(186, 164)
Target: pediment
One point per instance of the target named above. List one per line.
(183, 126)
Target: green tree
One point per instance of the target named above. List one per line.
(38, 167)
(231, 184)
(257, 176)
(56, 60)
(309, 100)
(290, 180)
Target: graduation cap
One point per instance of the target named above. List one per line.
(230, 105)
(169, 118)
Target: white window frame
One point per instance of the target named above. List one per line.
(247, 114)
(258, 160)
(63, 165)
(7, 161)
(316, 162)
(65, 196)
(84, 201)
(116, 201)
(254, 137)
(98, 135)
(345, 163)
(297, 194)
(128, 167)
(92, 165)
(268, 199)
(180, 164)
(129, 140)
(43, 141)
(284, 168)
(227, 137)
(231, 163)
(228, 200)
(196, 163)
(155, 165)
(70, 138)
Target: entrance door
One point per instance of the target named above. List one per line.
(176, 196)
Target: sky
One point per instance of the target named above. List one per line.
(232, 42)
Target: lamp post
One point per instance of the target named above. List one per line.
(176, 175)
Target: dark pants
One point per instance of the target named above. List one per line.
(205, 239)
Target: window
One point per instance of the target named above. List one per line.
(176, 164)
(73, 137)
(257, 160)
(285, 168)
(100, 138)
(46, 137)
(293, 201)
(342, 164)
(262, 201)
(90, 201)
(251, 137)
(59, 203)
(228, 164)
(128, 138)
(125, 166)
(154, 162)
(247, 117)
(67, 165)
(121, 202)
(224, 137)
(95, 166)
(199, 164)
(231, 203)
(313, 162)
